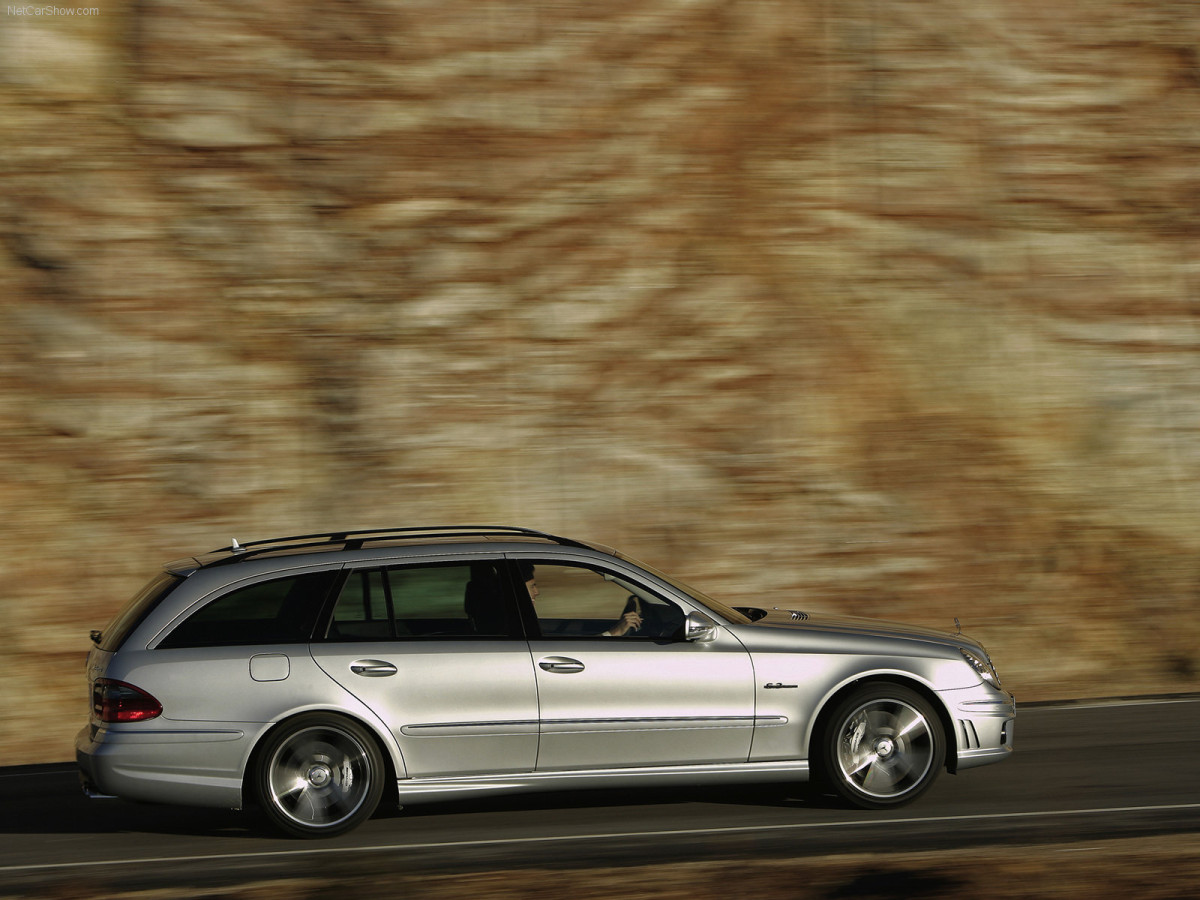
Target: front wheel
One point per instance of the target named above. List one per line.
(319, 776)
(883, 748)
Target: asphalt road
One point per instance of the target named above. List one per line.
(1080, 772)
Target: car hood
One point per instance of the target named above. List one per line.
(854, 625)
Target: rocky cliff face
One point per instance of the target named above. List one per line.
(888, 309)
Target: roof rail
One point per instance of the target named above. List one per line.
(354, 540)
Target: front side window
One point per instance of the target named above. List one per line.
(578, 601)
(432, 601)
(279, 611)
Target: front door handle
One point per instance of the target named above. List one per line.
(560, 664)
(372, 668)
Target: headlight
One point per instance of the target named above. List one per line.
(982, 666)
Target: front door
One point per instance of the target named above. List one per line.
(618, 685)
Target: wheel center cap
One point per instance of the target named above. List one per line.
(885, 748)
(319, 776)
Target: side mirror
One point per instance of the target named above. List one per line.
(699, 628)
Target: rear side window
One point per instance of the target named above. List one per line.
(438, 601)
(133, 612)
(280, 611)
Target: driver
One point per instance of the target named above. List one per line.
(629, 621)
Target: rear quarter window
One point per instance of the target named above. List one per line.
(279, 611)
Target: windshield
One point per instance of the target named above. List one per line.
(724, 611)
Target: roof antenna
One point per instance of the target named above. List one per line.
(237, 548)
(957, 624)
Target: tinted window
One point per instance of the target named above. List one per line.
(437, 592)
(422, 602)
(364, 608)
(281, 611)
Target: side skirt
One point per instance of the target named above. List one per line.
(432, 790)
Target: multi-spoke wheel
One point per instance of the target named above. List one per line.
(319, 776)
(884, 746)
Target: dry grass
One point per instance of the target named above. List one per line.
(1145, 868)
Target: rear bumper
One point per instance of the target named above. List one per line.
(163, 765)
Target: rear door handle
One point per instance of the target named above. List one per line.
(560, 664)
(372, 668)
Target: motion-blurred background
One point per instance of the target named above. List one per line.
(865, 307)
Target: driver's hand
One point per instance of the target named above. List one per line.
(631, 621)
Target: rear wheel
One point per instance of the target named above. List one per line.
(883, 747)
(319, 776)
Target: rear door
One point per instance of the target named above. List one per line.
(435, 648)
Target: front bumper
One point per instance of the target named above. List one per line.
(984, 721)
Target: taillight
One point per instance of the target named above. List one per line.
(116, 701)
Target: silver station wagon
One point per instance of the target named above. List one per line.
(312, 675)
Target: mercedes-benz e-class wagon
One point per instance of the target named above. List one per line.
(313, 675)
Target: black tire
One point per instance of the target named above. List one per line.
(882, 747)
(318, 775)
